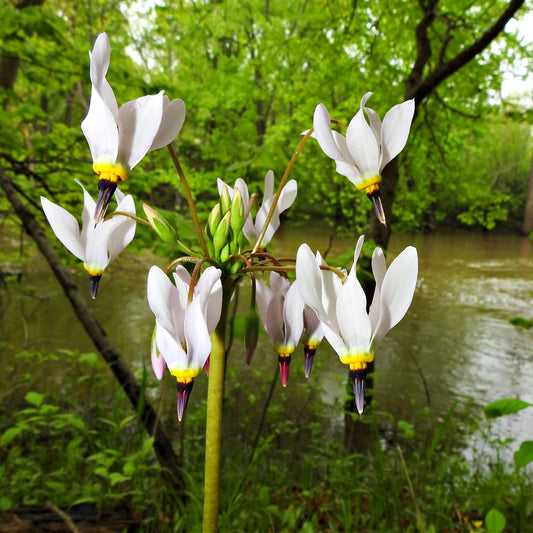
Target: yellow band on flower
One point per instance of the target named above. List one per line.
(312, 345)
(358, 362)
(92, 270)
(112, 173)
(185, 376)
(285, 352)
(371, 184)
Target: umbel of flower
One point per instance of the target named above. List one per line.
(353, 332)
(96, 244)
(223, 230)
(184, 322)
(120, 138)
(368, 146)
(281, 310)
(252, 228)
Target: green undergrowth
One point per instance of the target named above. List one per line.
(72, 438)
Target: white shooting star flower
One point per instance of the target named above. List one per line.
(281, 310)
(96, 245)
(353, 332)
(120, 137)
(183, 328)
(368, 146)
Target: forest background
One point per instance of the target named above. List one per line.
(251, 74)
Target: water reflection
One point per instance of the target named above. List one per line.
(454, 345)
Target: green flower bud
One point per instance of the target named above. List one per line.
(165, 231)
(220, 238)
(225, 200)
(225, 253)
(213, 221)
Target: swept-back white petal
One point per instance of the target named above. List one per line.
(354, 324)
(197, 336)
(397, 291)
(309, 280)
(121, 228)
(293, 316)
(138, 122)
(171, 350)
(324, 134)
(379, 268)
(287, 196)
(65, 226)
(312, 325)
(100, 58)
(163, 300)
(100, 130)
(209, 292)
(171, 123)
(363, 145)
(375, 122)
(395, 130)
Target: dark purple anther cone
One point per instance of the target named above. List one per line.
(106, 190)
(358, 383)
(184, 390)
(284, 364)
(95, 280)
(309, 356)
(375, 198)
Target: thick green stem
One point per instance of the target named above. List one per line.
(213, 430)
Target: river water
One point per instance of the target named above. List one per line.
(455, 345)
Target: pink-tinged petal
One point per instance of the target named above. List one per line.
(293, 316)
(101, 130)
(196, 336)
(379, 269)
(158, 362)
(138, 122)
(397, 292)
(263, 295)
(354, 324)
(65, 226)
(274, 319)
(171, 123)
(170, 349)
(395, 130)
(163, 300)
(309, 280)
(363, 145)
(312, 325)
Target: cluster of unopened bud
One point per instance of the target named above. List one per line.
(223, 230)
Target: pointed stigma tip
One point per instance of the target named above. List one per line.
(375, 198)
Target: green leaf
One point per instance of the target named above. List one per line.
(521, 322)
(34, 398)
(9, 435)
(503, 407)
(494, 521)
(116, 477)
(524, 455)
(129, 468)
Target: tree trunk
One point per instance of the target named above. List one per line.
(148, 416)
(527, 227)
